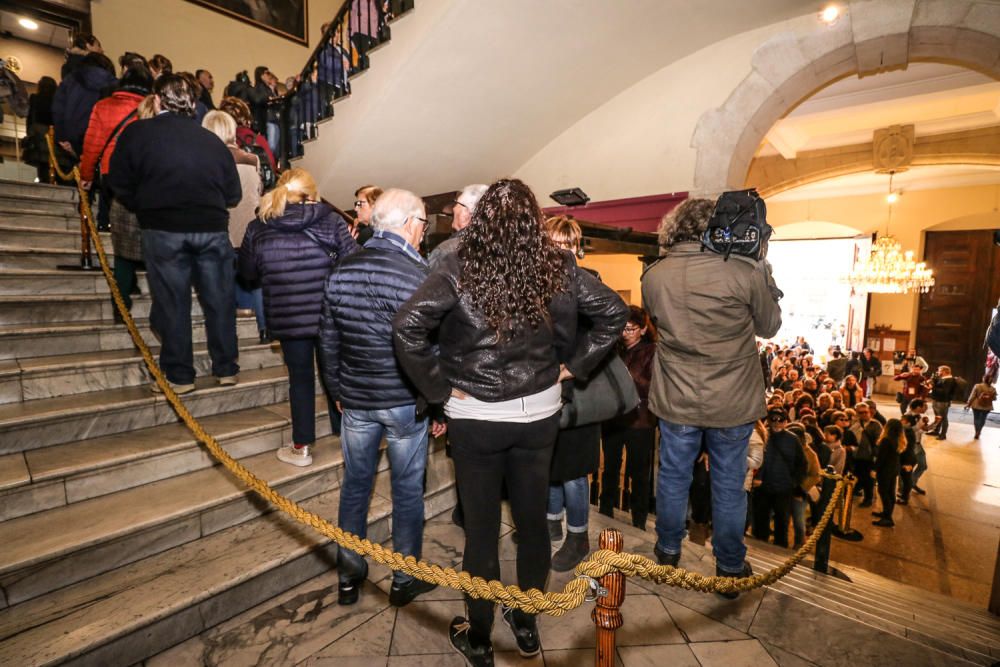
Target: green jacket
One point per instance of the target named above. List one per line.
(707, 311)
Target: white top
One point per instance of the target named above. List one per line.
(519, 410)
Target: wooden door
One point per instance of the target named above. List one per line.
(953, 316)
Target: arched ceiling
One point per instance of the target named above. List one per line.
(467, 90)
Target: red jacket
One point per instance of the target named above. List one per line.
(103, 119)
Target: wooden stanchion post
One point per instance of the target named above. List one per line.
(607, 613)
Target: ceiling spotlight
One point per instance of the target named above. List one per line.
(28, 24)
(892, 197)
(830, 14)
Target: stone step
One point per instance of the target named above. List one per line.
(34, 205)
(46, 237)
(930, 623)
(867, 589)
(37, 191)
(49, 550)
(53, 421)
(64, 375)
(40, 479)
(53, 281)
(24, 257)
(55, 221)
(133, 612)
(21, 341)
(52, 308)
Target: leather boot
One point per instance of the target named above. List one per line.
(574, 549)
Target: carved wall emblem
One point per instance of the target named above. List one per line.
(893, 148)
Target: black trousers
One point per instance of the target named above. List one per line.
(905, 484)
(637, 443)
(764, 504)
(887, 494)
(863, 471)
(486, 455)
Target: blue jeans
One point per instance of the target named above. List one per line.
(727, 452)
(574, 495)
(273, 131)
(176, 262)
(406, 437)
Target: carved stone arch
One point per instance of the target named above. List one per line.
(873, 36)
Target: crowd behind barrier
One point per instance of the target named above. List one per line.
(485, 343)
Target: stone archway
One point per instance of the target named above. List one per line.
(873, 36)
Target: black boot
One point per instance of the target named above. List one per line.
(719, 572)
(574, 549)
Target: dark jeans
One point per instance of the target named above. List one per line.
(174, 263)
(638, 446)
(863, 471)
(764, 504)
(299, 355)
(486, 455)
(979, 419)
(941, 411)
(887, 494)
(125, 278)
(905, 484)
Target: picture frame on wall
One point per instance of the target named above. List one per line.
(286, 18)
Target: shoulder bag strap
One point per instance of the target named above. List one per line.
(114, 133)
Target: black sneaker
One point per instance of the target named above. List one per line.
(401, 595)
(719, 572)
(663, 558)
(526, 637)
(349, 591)
(476, 656)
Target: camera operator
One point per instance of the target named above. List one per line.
(706, 380)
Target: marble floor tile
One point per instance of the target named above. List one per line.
(785, 658)
(346, 661)
(372, 638)
(422, 627)
(748, 653)
(452, 659)
(696, 627)
(573, 658)
(676, 655)
(646, 622)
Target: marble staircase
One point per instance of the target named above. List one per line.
(121, 536)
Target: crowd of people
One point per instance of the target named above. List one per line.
(484, 342)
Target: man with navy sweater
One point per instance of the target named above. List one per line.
(180, 180)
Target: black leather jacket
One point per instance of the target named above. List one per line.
(471, 358)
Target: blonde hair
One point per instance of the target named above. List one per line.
(294, 187)
(564, 231)
(147, 108)
(221, 125)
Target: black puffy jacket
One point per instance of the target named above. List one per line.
(472, 359)
(362, 295)
(291, 267)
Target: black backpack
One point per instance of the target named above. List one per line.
(268, 178)
(738, 225)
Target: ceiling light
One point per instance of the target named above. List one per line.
(28, 24)
(892, 198)
(830, 14)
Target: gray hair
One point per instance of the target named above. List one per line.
(471, 194)
(394, 206)
(687, 222)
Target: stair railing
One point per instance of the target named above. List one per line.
(86, 258)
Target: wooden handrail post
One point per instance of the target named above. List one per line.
(607, 613)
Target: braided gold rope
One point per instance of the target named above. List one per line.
(554, 603)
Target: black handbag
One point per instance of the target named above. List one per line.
(610, 392)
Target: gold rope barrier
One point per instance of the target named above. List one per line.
(534, 601)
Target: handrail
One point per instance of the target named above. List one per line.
(86, 260)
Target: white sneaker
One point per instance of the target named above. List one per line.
(229, 380)
(178, 388)
(296, 456)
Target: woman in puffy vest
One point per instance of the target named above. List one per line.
(289, 249)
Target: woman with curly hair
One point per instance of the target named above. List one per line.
(505, 310)
(245, 135)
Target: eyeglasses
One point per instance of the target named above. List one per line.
(425, 221)
(361, 203)
(458, 203)
(631, 328)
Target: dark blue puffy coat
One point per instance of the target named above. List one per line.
(362, 296)
(75, 99)
(291, 267)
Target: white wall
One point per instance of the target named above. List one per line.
(194, 37)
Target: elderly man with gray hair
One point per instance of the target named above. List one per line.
(363, 293)
(462, 209)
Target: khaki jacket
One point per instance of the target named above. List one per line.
(707, 312)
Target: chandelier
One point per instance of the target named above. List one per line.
(888, 269)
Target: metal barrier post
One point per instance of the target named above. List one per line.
(607, 613)
(822, 560)
(843, 530)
